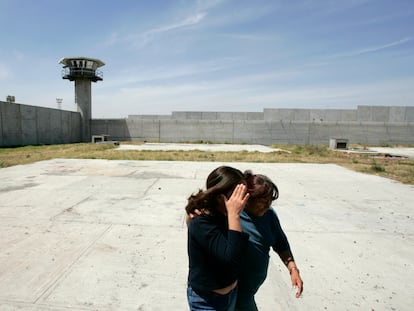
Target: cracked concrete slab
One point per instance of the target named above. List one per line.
(110, 235)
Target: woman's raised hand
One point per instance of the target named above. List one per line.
(237, 200)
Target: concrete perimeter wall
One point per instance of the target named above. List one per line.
(368, 125)
(22, 125)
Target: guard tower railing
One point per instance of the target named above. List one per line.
(87, 73)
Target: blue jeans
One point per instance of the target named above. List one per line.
(211, 301)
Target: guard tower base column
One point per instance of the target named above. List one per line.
(83, 98)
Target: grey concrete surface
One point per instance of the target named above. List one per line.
(393, 151)
(110, 235)
(399, 152)
(202, 147)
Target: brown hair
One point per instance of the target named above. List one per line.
(220, 181)
(260, 186)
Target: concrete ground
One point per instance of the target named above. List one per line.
(400, 152)
(110, 235)
(203, 147)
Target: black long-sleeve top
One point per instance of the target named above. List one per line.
(214, 252)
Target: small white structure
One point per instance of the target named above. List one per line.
(338, 143)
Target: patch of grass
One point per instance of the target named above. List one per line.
(377, 168)
(399, 169)
(385, 144)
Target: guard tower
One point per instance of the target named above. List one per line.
(83, 70)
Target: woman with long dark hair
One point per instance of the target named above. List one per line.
(216, 240)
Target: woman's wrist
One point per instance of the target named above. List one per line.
(293, 268)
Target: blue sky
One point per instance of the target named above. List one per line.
(219, 55)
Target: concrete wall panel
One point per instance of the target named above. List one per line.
(289, 114)
(320, 133)
(43, 126)
(151, 130)
(400, 134)
(364, 113)
(149, 117)
(223, 132)
(279, 132)
(29, 125)
(302, 115)
(224, 116)
(119, 130)
(239, 116)
(272, 115)
(187, 115)
(348, 115)
(56, 126)
(178, 115)
(208, 115)
(357, 133)
(75, 127)
(318, 115)
(144, 130)
(259, 116)
(65, 129)
(409, 114)
(295, 133)
(396, 114)
(11, 124)
(253, 132)
(380, 114)
(376, 133)
(196, 131)
(100, 126)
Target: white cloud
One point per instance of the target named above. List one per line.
(170, 73)
(188, 21)
(327, 7)
(250, 37)
(381, 47)
(139, 40)
(372, 49)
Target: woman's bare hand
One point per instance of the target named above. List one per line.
(235, 205)
(237, 200)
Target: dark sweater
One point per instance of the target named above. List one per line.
(265, 232)
(214, 252)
